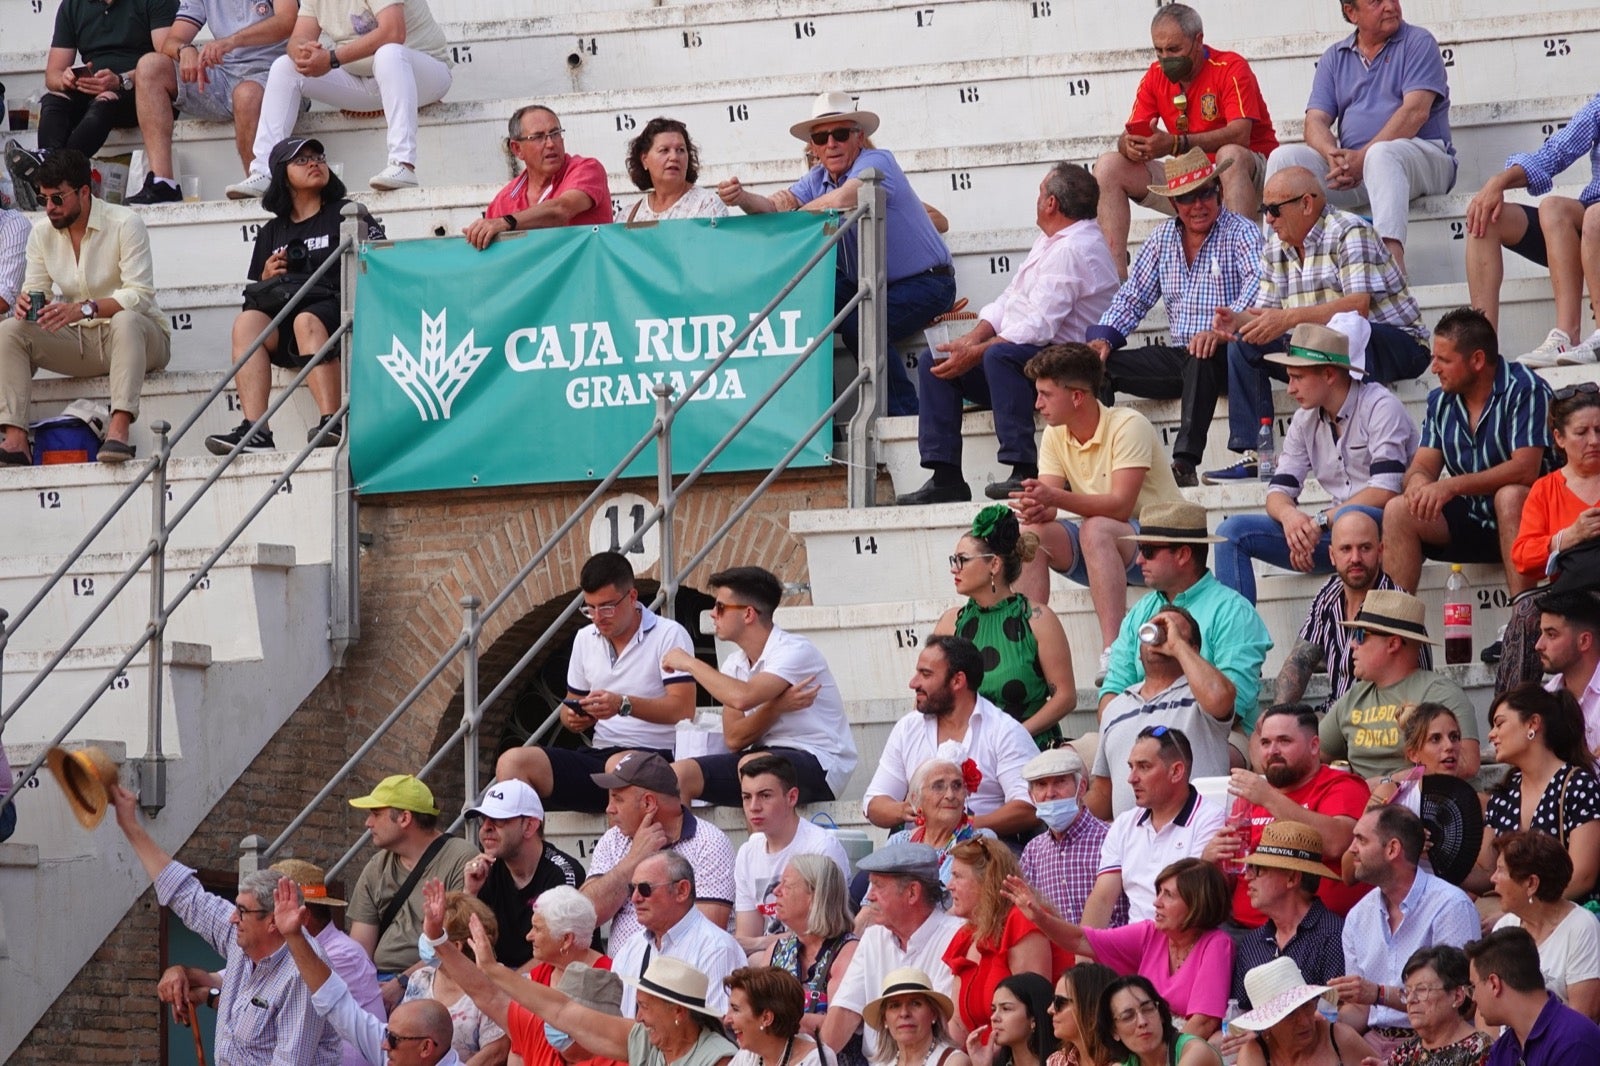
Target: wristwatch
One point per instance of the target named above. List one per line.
(89, 309)
(626, 710)
(127, 81)
(212, 995)
(1322, 520)
(333, 58)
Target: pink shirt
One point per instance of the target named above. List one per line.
(1589, 702)
(1200, 985)
(578, 172)
(1063, 288)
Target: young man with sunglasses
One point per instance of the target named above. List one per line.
(1207, 257)
(616, 688)
(555, 187)
(105, 321)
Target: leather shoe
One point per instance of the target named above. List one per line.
(1002, 490)
(935, 493)
(11, 458)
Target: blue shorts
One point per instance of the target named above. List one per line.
(1080, 573)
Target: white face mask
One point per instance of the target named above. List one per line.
(1057, 814)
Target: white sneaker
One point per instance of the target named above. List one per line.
(1104, 667)
(1547, 353)
(1581, 354)
(252, 188)
(393, 176)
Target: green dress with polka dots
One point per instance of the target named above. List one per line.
(1013, 677)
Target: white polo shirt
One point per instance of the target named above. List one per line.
(694, 940)
(756, 870)
(595, 664)
(995, 741)
(880, 954)
(1140, 852)
(822, 728)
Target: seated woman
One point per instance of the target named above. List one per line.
(1438, 997)
(810, 901)
(1019, 1032)
(1530, 876)
(475, 1031)
(1430, 736)
(1072, 1014)
(1183, 950)
(1135, 1024)
(562, 928)
(664, 162)
(764, 1011)
(998, 939)
(938, 794)
(1291, 1031)
(912, 1021)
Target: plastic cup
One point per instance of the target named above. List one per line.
(191, 188)
(18, 119)
(940, 333)
(337, 170)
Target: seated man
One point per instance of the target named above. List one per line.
(1205, 258)
(1485, 438)
(921, 275)
(387, 54)
(815, 738)
(1385, 86)
(1173, 544)
(1510, 991)
(1101, 463)
(1285, 872)
(220, 82)
(83, 104)
(1356, 549)
(1181, 689)
(615, 686)
(1569, 651)
(14, 230)
(554, 188)
(1354, 436)
(106, 320)
(1319, 262)
(517, 866)
(1209, 101)
(1553, 235)
(672, 925)
(1062, 862)
(1361, 725)
(1063, 287)
(953, 722)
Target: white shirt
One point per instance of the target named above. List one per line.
(1139, 851)
(595, 664)
(1589, 702)
(1065, 285)
(113, 262)
(879, 953)
(334, 1002)
(995, 741)
(693, 940)
(822, 728)
(756, 870)
(1571, 953)
(14, 230)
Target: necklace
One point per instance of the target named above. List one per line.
(788, 1047)
(1176, 958)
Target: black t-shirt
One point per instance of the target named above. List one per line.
(320, 233)
(111, 36)
(513, 906)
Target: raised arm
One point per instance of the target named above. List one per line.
(605, 1035)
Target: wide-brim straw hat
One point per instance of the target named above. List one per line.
(1188, 172)
(86, 777)
(1290, 846)
(835, 107)
(1174, 523)
(1393, 612)
(312, 880)
(676, 982)
(906, 981)
(1276, 989)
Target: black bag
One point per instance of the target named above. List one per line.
(273, 294)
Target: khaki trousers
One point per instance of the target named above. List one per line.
(127, 347)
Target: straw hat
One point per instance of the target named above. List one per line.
(1174, 523)
(675, 982)
(1394, 612)
(312, 881)
(1290, 846)
(86, 778)
(1188, 172)
(1275, 988)
(906, 981)
(835, 107)
(1341, 344)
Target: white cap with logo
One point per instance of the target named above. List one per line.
(510, 799)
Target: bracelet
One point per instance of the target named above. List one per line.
(510, 221)
(444, 936)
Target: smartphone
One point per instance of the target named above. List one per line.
(83, 71)
(576, 705)
(1141, 129)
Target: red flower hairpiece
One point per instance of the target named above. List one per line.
(971, 776)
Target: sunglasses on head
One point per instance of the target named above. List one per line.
(1570, 391)
(1274, 210)
(820, 137)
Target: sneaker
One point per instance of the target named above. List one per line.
(393, 176)
(1104, 667)
(22, 165)
(253, 187)
(335, 431)
(1581, 354)
(1183, 473)
(1555, 342)
(156, 191)
(1244, 470)
(223, 443)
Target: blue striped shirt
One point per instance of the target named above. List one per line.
(1516, 416)
(1579, 137)
(1225, 273)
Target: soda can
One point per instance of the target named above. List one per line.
(36, 300)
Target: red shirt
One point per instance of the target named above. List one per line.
(578, 172)
(1224, 90)
(976, 981)
(526, 1028)
(1330, 792)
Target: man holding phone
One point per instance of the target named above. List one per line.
(1205, 98)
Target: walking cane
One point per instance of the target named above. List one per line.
(199, 1044)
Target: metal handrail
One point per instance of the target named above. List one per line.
(868, 217)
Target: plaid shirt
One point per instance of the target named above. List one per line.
(1579, 137)
(1322, 628)
(1225, 273)
(1516, 416)
(265, 1014)
(1062, 869)
(1343, 257)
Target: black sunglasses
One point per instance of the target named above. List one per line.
(820, 137)
(392, 1039)
(644, 888)
(1198, 195)
(1274, 210)
(1572, 390)
(55, 199)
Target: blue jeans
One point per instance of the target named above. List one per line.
(913, 303)
(1392, 355)
(997, 383)
(1259, 536)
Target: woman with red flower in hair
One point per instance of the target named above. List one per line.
(939, 791)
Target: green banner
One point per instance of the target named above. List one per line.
(535, 360)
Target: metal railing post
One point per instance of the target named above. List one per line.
(872, 318)
(664, 497)
(153, 768)
(344, 621)
(471, 629)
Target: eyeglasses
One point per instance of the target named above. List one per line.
(644, 888)
(1572, 390)
(1420, 993)
(718, 607)
(1147, 1009)
(1274, 210)
(820, 137)
(945, 788)
(602, 610)
(542, 136)
(1059, 1003)
(308, 159)
(392, 1040)
(242, 911)
(1195, 197)
(55, 199)
(959, 562)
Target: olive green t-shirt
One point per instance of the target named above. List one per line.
(379, 882)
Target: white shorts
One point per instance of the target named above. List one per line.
(212, 102)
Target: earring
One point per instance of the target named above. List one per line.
(1532, 734)
(992, 589)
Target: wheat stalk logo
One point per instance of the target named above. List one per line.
(433, 382)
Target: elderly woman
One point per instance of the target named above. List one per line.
(1530, 875)
(1292, 1032)
(912, 1021)
(998, 939)
(938, 793)
(1183, 950)
(478, 1039)
(1135, 1025)
(1027, 663)
(562, 928)
(665, 163)
(1438, 998)
(764, 1011)
(810, 901)
(1072, 1015)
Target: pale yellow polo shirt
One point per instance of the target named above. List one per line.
(1123, 438)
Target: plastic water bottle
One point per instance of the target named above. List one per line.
(1227, 1026)
(1266, 451)
(1457, 617)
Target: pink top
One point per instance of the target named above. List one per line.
(1200, 985)
(578, 172)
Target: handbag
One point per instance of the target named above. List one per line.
(272, 295)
